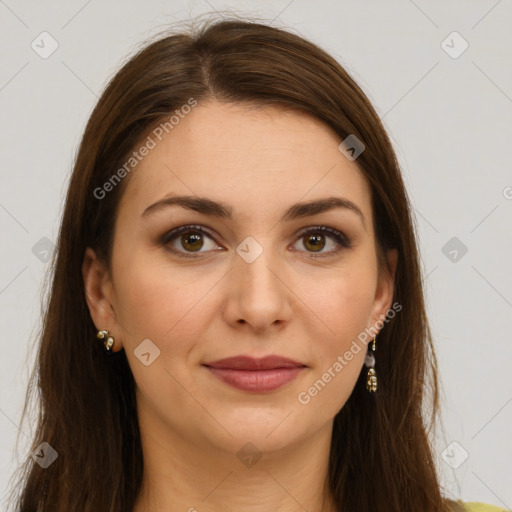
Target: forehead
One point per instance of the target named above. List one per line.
(250, 157)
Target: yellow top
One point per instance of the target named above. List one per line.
(482, 507)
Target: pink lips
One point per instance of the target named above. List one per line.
(257, 375)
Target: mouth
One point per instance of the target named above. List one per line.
(256, 375)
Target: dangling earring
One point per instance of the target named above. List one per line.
(108, 341)
(369, 361)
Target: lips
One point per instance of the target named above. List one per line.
(256, 375)
(250, 363)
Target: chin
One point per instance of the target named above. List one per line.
(267, 432)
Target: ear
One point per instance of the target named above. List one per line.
(100, 297)
(385, 287)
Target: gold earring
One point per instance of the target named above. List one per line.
(108, 341)
(371, 378)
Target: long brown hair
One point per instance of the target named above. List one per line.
(380, 456)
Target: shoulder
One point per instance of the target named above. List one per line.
(480, 507)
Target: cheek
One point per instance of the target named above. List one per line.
(343, 305)
(171, 309)
(156, 303)
(158, 300)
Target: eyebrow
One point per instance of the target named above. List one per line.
(221, 210)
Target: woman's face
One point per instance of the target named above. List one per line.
(254, 277)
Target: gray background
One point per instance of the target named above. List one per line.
(449, 119)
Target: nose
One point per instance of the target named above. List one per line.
(258, 296)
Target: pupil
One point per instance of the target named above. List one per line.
(193, 241)
(315, 241)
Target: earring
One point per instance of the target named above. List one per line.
(108, 341)
(369, 361)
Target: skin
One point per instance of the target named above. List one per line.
(259, 161)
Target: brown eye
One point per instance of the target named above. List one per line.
(192, 242)
(318, 238)
(314, 242)
(187, 240)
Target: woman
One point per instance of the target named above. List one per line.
(236, 319)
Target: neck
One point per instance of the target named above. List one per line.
(195, 477)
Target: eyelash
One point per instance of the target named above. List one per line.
(339, 237)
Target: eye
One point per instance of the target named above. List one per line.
(314, 239)
(187, 240)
